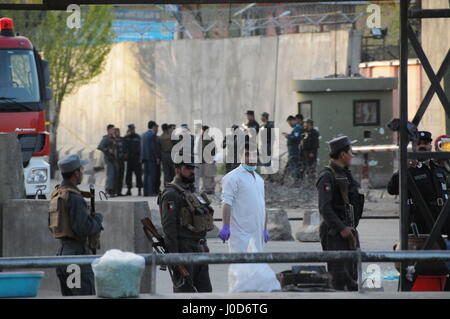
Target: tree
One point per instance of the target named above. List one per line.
(75, 56)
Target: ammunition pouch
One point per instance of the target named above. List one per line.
(197, 215)
(58, 216)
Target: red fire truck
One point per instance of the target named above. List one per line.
(24, 80)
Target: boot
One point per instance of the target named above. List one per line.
(139, 192)
(129, 192)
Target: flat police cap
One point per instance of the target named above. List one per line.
(70, 163)
(339, 143)
(131, 126)
(425, 135)
(265, 114)
(250, 112)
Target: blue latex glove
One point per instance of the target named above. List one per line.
(266, 236)
(224, 233)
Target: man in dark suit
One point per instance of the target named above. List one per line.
(151, 157)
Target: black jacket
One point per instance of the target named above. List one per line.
(331, 203)
(133, 145)
(432, 184)
(310, 141)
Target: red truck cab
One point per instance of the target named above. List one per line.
(24, 78)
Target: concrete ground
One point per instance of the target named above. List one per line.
(375, 235)
(187, 298)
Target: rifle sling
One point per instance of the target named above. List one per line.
(343, 193)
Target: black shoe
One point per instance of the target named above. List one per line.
(129, 193)
(120, 194)
(139, 192)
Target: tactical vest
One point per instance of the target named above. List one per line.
(58, 216)
(197, 214)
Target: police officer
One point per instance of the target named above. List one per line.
(133, 156)
(431, 182)
(232, 145)
(252, 123)
(151, 157)
(166, 143)
(293, 144)
(309, 147)
(441, 145)
(251, 128)
(183, 233)
(120, 161)
(72, 224)
(108, 147)
(267, 144)
(340, 206)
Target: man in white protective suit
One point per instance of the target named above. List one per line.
(244, 225)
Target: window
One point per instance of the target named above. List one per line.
(18, 76)
(366, 112)
(305, 109)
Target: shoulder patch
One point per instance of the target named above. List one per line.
(327, 187)
(170, 205)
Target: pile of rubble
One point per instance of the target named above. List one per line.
(290, 196)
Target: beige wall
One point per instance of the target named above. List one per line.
(436, 43)
(215, 81)
(391, 69)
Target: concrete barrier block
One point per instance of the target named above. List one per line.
(11, 167)
(213, 233)
(309, 232)
(278, 224)
(25, 233)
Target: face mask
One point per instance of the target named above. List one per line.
(249, 168)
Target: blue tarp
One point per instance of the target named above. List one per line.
(143, 31)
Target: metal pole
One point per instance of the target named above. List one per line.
(153, 275)
(360, 282)
(403, 134)
(215, 258)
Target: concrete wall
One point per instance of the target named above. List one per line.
(436, 43)
(25, 233)
(211, 80)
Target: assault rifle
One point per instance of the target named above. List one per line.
(159, 247)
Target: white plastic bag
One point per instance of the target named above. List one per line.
(118, 274)
(252, 277)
